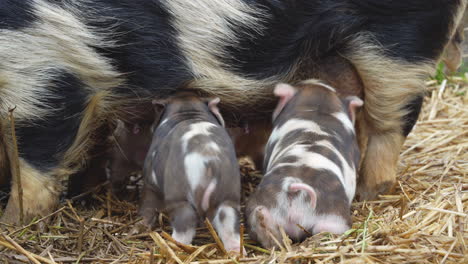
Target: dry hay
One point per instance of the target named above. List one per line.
(425, 221)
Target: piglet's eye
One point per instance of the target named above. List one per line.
(136, 129)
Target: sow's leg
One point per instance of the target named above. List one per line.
(52, 72)
(44, 135)
(52, 148)
(393, 75)
(40, 195)
(393, 96)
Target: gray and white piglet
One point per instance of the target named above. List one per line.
(191, 171)
(310, 165)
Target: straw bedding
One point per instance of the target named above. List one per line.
(424, 221)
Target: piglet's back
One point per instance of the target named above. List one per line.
(316, 129)
(197, 149)
(310, 176)
(193, 169)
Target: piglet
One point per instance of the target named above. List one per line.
(191, 171)
(129, 147)
(251, 139)
(310, 165)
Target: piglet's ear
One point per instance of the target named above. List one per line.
(158, 105)
(213, 106)
(136, 129)
(285, 92)
(264, 218)
(295, 187)
(354, 103)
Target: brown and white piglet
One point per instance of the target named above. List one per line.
(130, 144)
(191, 171)
(311, 158)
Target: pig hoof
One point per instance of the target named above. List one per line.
(236, 251)
(370, 192)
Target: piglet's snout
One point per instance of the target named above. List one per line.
(226, 223)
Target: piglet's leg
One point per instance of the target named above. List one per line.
(150, 204)
(184, 221)
(226, 223)
(119, 171)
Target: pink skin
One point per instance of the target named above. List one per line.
(295, 187)
(285, 92)
(213, 106)
(232, 246)
(330, 227)
(295, 216)
(265, 225)
(205, 204)
(354, 104)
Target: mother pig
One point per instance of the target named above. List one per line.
(71, 66)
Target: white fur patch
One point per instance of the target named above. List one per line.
(293, 124)
(311, 160)
(344, 119)
(184, 237)
(330, 223)
(288, 213)
(201, 128)
(32, 57)
(349, 171)
(296, 124)
(205, 28)
(195, 162)
(226, 228)
(195, 169)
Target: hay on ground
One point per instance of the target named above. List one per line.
(424, 221)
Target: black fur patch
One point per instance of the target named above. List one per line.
(305, 30)
(147, 51)
(414, 108)
(16, 14)
(296, 30)
(42, 143)
(414, 30)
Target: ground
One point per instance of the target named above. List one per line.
(424, 221)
